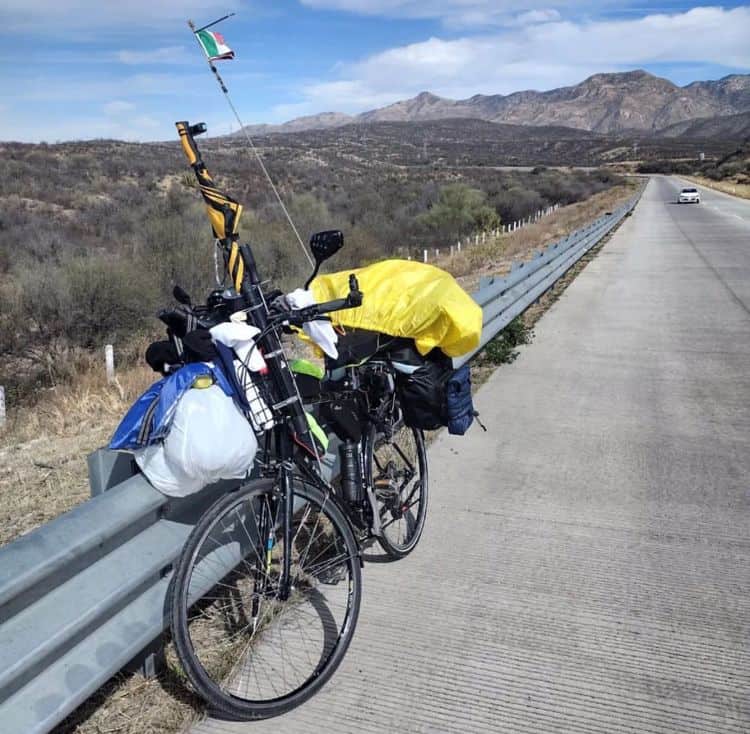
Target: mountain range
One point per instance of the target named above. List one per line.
(634, 101)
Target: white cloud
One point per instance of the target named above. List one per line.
(532, 17)
(162, 55)
(462, 13)
(538, 55)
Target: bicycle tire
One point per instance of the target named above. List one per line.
(395, 500)
(232, 572)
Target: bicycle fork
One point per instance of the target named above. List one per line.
(287, 499)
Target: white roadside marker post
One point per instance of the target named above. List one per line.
(109, 359)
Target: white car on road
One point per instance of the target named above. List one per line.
(689, 196)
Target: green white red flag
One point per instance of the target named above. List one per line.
(214, 45)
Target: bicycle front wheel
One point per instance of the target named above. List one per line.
(397, 467)
(249, 649)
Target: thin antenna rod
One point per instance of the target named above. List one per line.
(212, 23)
(249, 140)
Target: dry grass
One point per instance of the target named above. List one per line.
(43, 470)
(132, 704)
(736, 188)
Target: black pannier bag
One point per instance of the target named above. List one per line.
(422, 395)
(433, 394)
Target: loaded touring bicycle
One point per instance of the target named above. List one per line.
(266, 593)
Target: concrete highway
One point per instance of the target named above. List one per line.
(586, 563)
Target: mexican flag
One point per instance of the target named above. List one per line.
(214, 45)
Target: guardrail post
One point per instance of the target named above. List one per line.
(109, 359)
(2, 407)
(150, 661)
(458, 244)
(425, 255)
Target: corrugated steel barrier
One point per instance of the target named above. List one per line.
(85, 595)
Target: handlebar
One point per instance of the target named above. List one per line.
(310, 313)
(186, 317)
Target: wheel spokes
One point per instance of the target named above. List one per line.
(250, 642)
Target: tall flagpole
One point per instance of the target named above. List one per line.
(249, 140)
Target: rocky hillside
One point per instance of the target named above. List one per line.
(728, 127)
(604, 103)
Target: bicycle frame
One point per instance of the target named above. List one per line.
(224, 213)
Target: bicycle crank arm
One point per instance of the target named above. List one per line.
(376, 529)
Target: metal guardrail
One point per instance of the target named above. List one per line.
(86, 595)
(502, 299)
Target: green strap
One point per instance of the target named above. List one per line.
(305, 367)
(317, 431)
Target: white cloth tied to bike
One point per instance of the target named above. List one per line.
(241, 337)
(320, 331)
(209, 440)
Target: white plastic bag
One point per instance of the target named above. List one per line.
(209, 440)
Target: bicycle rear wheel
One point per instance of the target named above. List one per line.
(249, 652)
(397, 466)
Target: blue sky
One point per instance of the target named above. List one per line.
(75, 69)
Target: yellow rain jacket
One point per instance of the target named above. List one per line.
(407, 299)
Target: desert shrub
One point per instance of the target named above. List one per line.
(277, 252)
(459, 210)
(515, 203)
(177, 248)
(730, 170)
(667, 167)
(503, 348)
(11, 322)
(87, 300)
